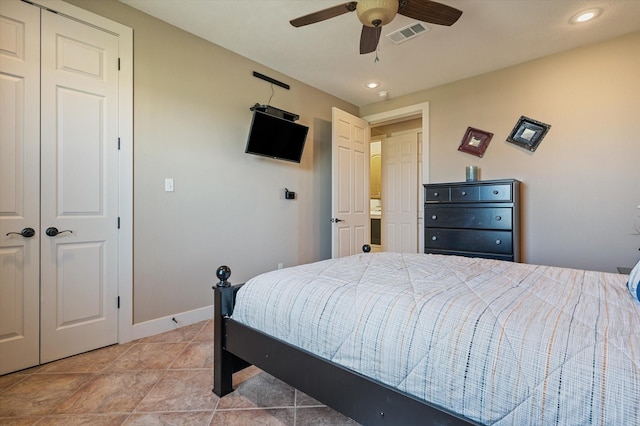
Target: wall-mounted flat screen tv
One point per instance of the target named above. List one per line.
(276, 137)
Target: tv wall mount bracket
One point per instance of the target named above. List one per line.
(277, 112)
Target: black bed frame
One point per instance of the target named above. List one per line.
(368, 402)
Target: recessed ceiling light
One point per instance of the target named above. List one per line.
(373, 84)
(584, 16)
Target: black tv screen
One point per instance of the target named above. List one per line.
(276, 137)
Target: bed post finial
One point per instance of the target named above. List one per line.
(366, 248)
(223, 273)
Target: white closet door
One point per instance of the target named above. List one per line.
(19, 184)
(79, 187)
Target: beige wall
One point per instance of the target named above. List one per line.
(191, 120)
(192, 99)
(582, 186)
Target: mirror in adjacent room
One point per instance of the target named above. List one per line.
(375, 185)
(375, 173)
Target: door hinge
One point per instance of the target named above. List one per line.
(118, 222)
(118, 302)
(118, 64)
(118, 144)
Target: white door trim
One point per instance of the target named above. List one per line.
(125, 197)
(406, 112)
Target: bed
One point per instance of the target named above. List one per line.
(390, 339)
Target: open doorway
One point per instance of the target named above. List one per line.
(395, 163)
(390, 230)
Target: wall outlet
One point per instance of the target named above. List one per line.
(289, 195)
(280, 265)
(168, 184)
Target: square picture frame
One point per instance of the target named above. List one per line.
(528, 133)
(475, 141)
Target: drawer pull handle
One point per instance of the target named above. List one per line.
(498, 218)
(495, 192)
(436, 194)
(434, 217)
(464, 192)
(498, 242)
(434, 238)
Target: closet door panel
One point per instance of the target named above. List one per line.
(19, 184)
(79, 187)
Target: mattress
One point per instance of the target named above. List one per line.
(497, 342)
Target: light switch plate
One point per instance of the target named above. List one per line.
(168, 184)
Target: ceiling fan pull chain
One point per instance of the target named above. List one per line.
(376, 59)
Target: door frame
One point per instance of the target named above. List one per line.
(411, 111)
(125, 162)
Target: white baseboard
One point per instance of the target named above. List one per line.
(160, 325)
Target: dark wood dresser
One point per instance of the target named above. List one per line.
(475, 219)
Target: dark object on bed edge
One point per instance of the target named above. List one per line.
(237, 346)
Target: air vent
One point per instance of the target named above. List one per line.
(407, 33)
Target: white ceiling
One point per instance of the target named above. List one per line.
(490, 34)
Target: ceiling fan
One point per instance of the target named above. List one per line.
(375, 13)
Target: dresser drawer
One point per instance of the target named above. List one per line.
(468, 217)
(465, 193)
(469, 240)
(495, 193)
(437, 194)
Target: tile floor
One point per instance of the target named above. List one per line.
(159, 380)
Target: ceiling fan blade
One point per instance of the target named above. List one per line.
(369, 39)
(322, 15)
(429, 11)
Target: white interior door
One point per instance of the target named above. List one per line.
(400, 193)
(19, 185)
(350, 184)
(58, 168)
(79, 189)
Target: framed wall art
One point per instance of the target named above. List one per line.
(475, 141)
(528, 133)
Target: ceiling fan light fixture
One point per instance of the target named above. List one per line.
(375, 13)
